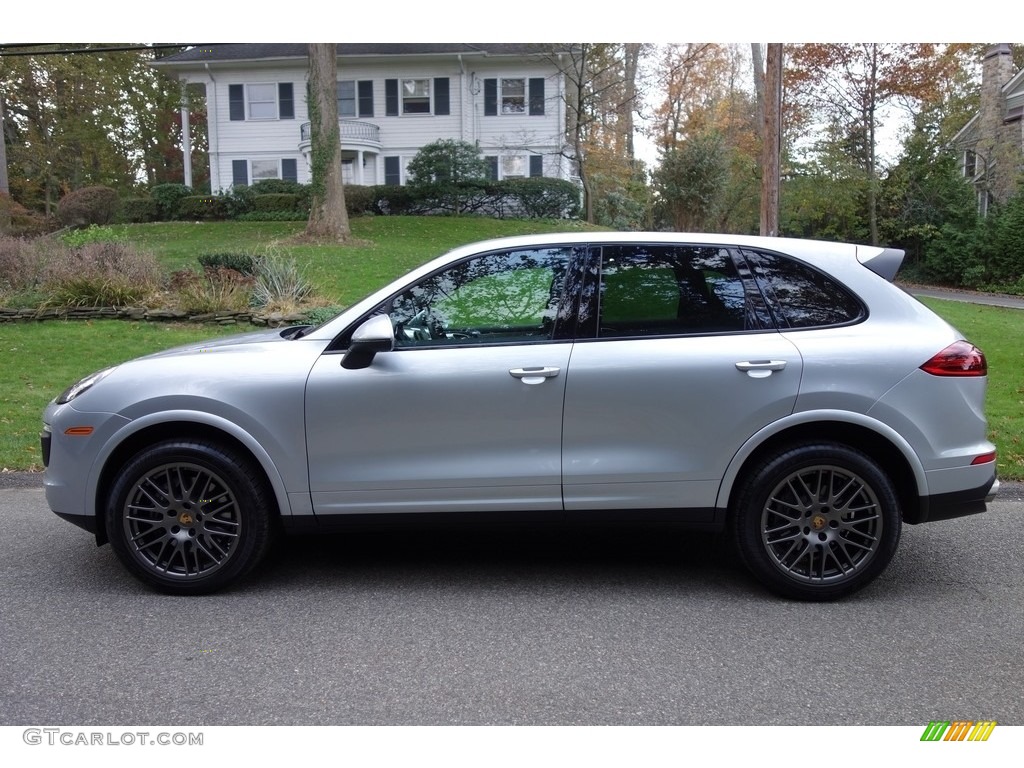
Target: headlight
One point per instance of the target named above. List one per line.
(81, 386)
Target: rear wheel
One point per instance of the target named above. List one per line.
(817, 521)
(189, 517)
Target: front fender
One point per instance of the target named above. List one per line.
(163, 418)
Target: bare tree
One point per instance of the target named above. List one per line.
(328, 219)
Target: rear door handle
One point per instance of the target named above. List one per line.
(534, 375)
(759, 369)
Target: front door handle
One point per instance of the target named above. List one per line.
(534, 375)
(759, 369)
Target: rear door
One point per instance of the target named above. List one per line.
(681, 368)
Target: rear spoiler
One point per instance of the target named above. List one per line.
(884, 262)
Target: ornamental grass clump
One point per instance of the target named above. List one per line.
(101, 274)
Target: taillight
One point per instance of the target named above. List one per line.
(961, 358)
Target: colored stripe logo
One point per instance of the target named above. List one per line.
(958, 730)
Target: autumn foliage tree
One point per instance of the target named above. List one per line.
(848, 86)
(77, 116)
(707, 129)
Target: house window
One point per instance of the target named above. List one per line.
(970, 163)
(262, 100)
(513, 96)
(265, 169)
(412, 96)
(244, 172)
(513, 166)
(347, 98)
(393, 171)
(415, 96)
(355, 98)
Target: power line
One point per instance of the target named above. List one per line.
(5, 49)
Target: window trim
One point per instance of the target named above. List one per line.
(251, 179)
(249, 102)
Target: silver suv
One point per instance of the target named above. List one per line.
(782, 390)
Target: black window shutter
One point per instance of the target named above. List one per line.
(536, 165)
(239, 173)
(366, 98)
(391, 97)
(442, 98)
(236, 102)
(285, 101)
(490, 96)
(536, 95)
(392, 171)
(492, 162)
(289, 169)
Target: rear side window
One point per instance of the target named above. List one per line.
(801, 296)
(667, 290)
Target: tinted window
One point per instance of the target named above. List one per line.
(667, 290)
(801, 296)
(512, 296)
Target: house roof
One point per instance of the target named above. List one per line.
(237, 52)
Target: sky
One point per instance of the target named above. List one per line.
(724, 21)
(526, 21)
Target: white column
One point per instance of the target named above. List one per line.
(186, 138)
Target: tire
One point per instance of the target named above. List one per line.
(189, 517)
(817, 521)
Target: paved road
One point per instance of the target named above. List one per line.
(523, 627)
(970, 297)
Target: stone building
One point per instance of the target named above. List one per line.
(991, 145)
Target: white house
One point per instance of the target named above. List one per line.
(393, 98)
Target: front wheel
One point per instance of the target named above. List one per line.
(189, 517)
(817, 521)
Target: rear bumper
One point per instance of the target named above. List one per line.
(946, 506)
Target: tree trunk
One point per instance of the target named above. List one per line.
(328, 219)
(771, 141)
(631, 58)
(758, 59)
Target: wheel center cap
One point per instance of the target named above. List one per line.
(818, 522)
(185, 518)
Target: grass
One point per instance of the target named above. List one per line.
(385, 247)
(44, 358)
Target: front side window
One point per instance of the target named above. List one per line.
(262, 101)
(416, 96)
(670, 290)
(801, 296)
(506, 297)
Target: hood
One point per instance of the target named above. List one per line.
(237, 340)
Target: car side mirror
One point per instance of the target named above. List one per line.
(375, 335)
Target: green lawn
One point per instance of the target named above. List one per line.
(386, 247)
(41, 359)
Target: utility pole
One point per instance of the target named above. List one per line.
(4, 187)
(771, 141)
